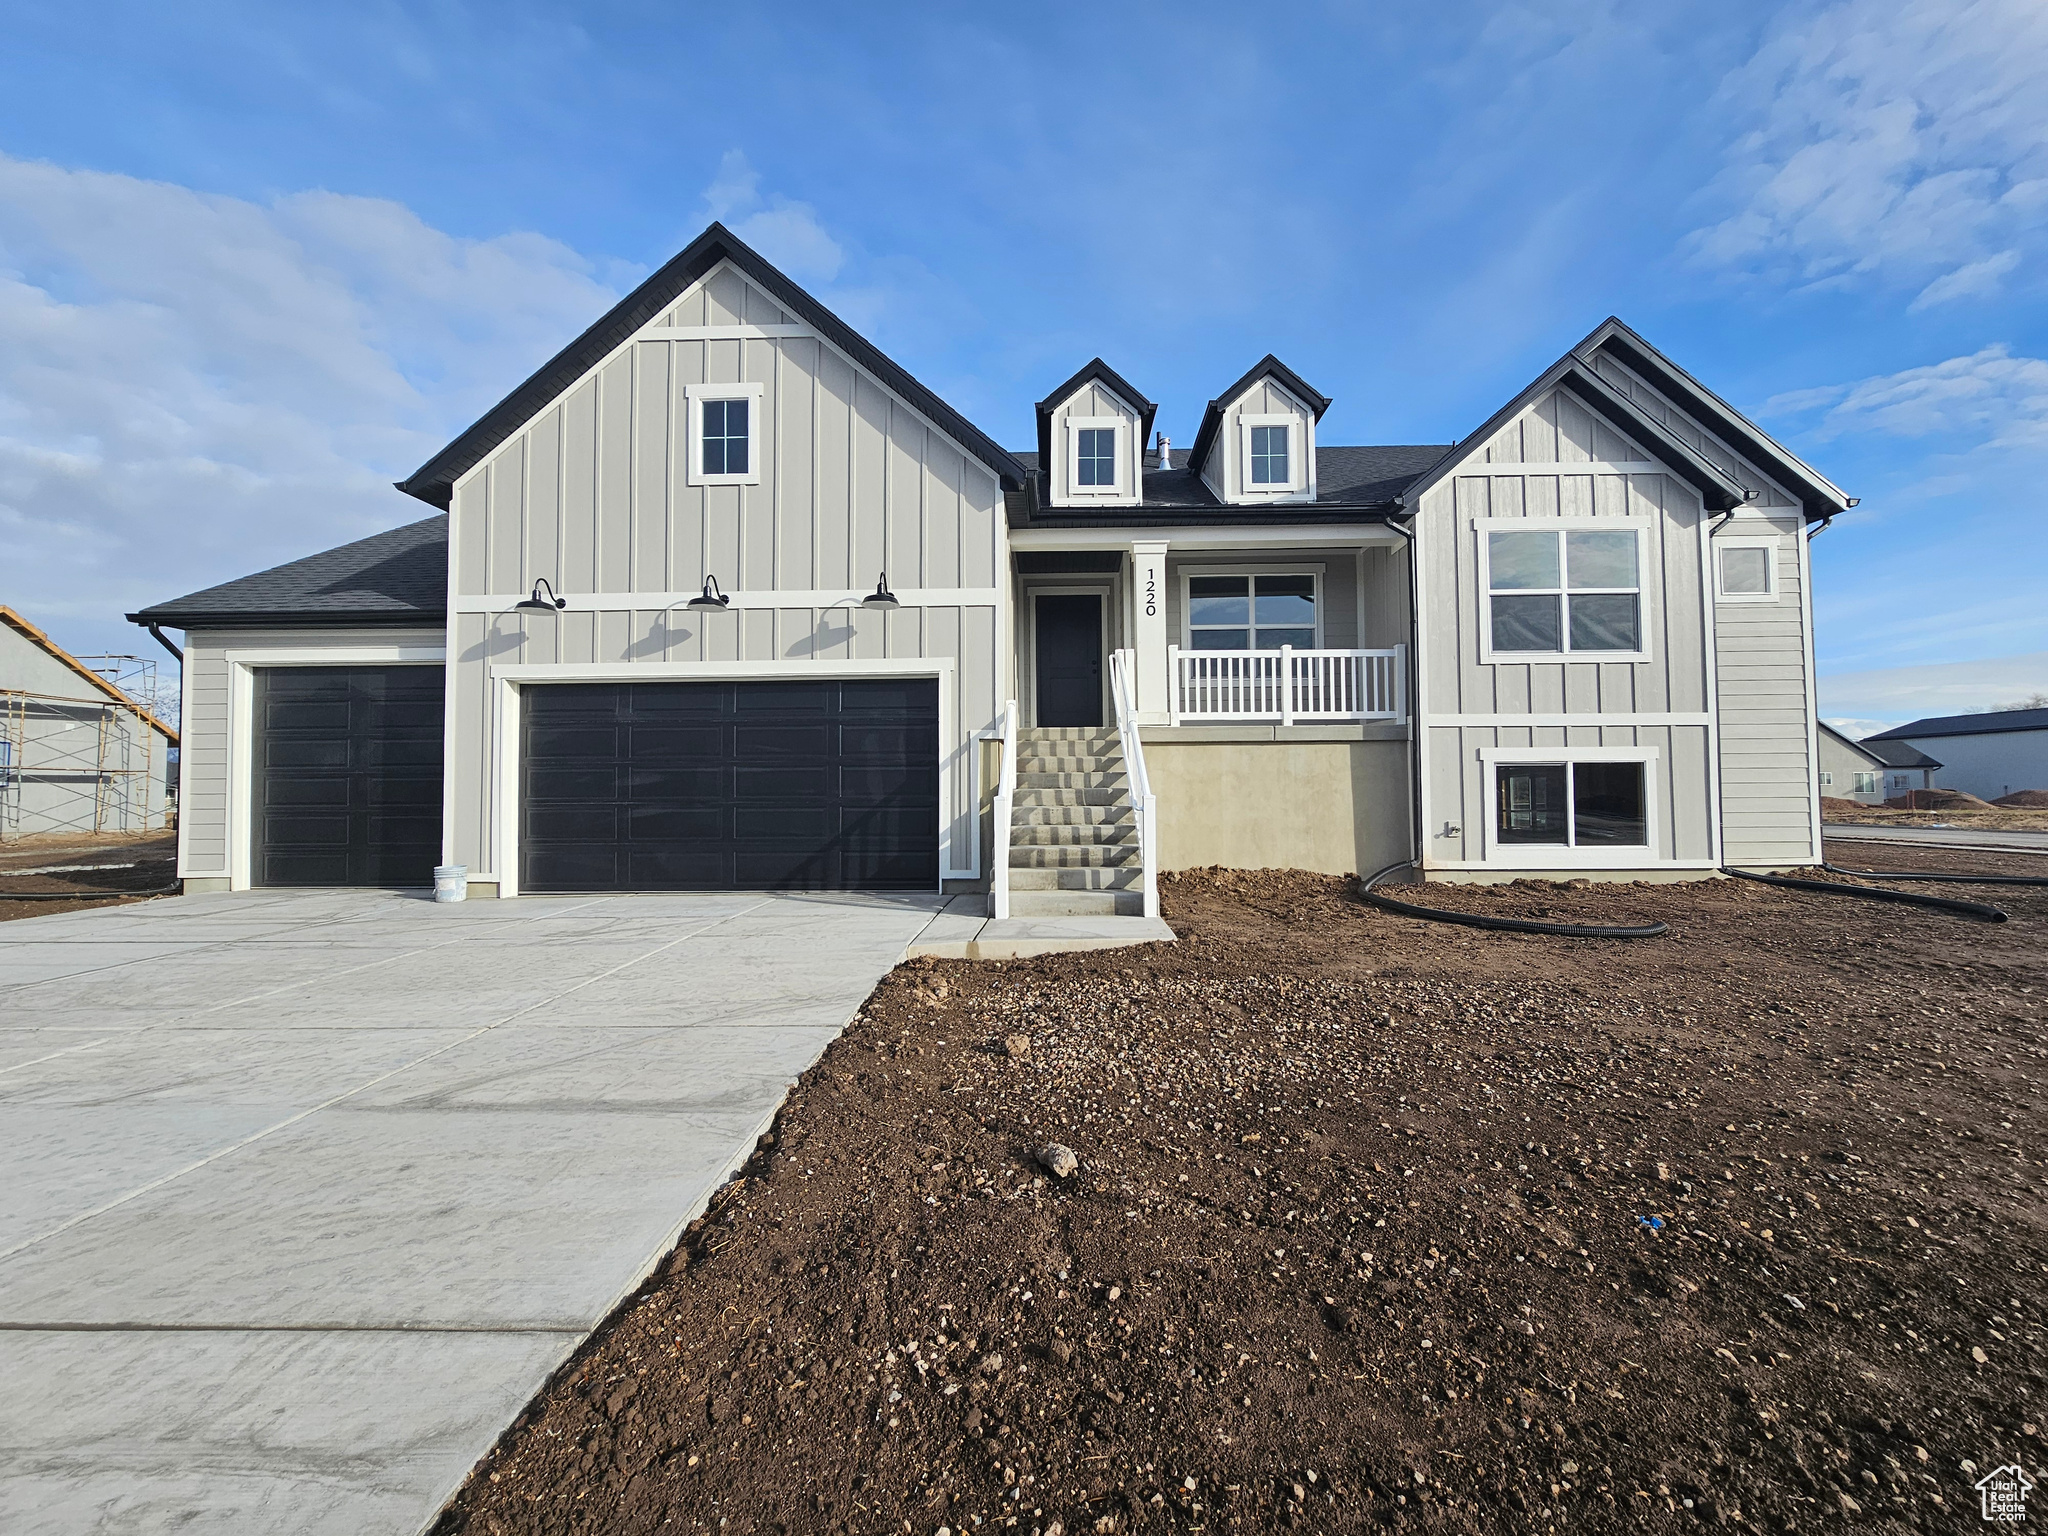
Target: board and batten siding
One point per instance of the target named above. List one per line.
(594, 495)
(1457, 683)
(1223, 471)
(210, 821)
(1097, 400)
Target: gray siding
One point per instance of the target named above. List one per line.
(1224, 472)
(1843, 761)
(594, 495)
(1093, 399)
(1767, 780)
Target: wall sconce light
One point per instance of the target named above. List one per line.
(710, 597)
(881, 597)
(540, 604)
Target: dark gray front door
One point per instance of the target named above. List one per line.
(347, 776)
(1069, 659)
(826, 784)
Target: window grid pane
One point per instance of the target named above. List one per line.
(1530, 803)
(1746, 572)
(725, 437)
(1269, 456)
(1096, 462)
(1590, 586)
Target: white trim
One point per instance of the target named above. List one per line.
(1475, 468)
(1120, 433)
(724, 332)
(1233, 448)
(1610, 721)
(1567, 856)
(1297, 470)
(1710, 676)
(506, 682)
(185, 670)
(1483, 527)
(1804, 555)
(695, 395)
(1313, 570)
(1234, 536)
(768, 598)
(1771, 544)
(242, 666)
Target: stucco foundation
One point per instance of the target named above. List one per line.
(1337, 807)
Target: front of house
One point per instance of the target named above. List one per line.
(722, 597)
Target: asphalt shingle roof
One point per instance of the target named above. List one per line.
(1993, 723)
(1347, 480)
(394, 578)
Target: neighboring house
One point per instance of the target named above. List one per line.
(76, 753)
(1990, 755)
(1577, 641)
(1871, 772)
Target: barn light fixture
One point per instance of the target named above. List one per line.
(711, 596)
(540, 604)
(881, 597)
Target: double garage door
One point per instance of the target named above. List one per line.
(830, 784)
(815, 785)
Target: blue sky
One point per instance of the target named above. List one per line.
(258, 261)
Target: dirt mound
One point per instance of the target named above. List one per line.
(1379, 1225)
(1937, 800)
(1835, 805)
(2025, 800)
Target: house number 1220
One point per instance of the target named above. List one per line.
(1151, 596)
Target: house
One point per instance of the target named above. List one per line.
(1991, 755)
(76, 753)
(723, 596)
(1871, 772)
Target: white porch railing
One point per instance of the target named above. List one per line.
(1288, 685)
(1006, 799)
(1123, 693)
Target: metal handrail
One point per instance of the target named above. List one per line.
(1006, 799)
(1123, 693)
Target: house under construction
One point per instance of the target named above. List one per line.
(77, 752)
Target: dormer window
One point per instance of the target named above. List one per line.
(1095, 457)
(1269, 457)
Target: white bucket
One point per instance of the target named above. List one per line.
(451, 882)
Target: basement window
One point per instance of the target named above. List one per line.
(1572, 805)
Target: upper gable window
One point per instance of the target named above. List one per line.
(1269, 457)
(725, 425)
(1745, 570)
(1095, 457)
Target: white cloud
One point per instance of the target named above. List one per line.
(193, 387)
(1876, 700)
(786, 232)
(1905, 141)
(1990, 395)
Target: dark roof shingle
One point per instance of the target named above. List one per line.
(394, 578)
(1993, 723)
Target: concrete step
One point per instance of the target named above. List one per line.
(1077, 904)
(1130, 877)
(1070, 815)
(1115, 781)
(1106, 833)
(1106, 736)
(1032, 797)
(1071, 856)
(1112, 763)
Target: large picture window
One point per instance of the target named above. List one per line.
(1556, 591)
(1246, 613)
(1571, 804)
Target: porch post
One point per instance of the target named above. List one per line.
(1148, 605)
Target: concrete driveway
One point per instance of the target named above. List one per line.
(306, 1193)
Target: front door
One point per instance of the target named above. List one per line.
(1069, 658)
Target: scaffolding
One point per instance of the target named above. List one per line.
(78, 765)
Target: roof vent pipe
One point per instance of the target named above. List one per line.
(1165, 451)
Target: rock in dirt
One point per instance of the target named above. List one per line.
(1059, 1161)
(1017, 1047)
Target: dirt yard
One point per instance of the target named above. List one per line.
(1379, 1224)
(1991, 818)
(83, 861)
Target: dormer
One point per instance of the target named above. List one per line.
(1257, 441)
(1091, 440)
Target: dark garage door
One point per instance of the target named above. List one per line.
(347, 775)
(825, 785)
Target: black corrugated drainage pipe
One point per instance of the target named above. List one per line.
(1982, 911)
(156, 890)
(1498, 924)
(1921, 874)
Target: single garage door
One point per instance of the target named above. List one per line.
(815, 785)
(347, 780)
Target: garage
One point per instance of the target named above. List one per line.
(819, 784)
(346, 778)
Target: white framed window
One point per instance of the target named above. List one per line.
(1557, 587)
(1826, 779)
(1095, 456)
(1866, 783)
(1746, 570)
(1591, 806)
(1271, 454)
(725, 433)
(1248, 610)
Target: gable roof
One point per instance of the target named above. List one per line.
(1851, 743)
(1994, 723)
(388, 579)
(36, 637)
(434, 481)
(1898, 754)
(1819, 497)
(1266, 367)
(1095, 371)
(1718, 489)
